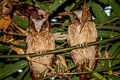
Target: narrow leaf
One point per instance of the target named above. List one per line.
(115, 6)
(104, 1)
(43, 6)
(21, 21)
(99, 12)
(9, 78)
(55, 5)
(28, 76)
(106, 33)
(12, 68)
(22, 74)
(99, 76)
(110, 71)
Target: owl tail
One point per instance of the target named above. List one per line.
(36, 76)
(82, 76)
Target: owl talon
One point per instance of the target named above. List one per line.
(37, 52)
(82, 45)
(41, 52)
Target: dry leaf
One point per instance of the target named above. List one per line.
(59, 36)
(5, 22)
(6, 7)
(61, 63)
(62, 60)
(17, 50)
(106, 54)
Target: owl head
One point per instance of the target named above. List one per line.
(39, 20)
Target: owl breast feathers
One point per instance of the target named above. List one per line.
(83, 57)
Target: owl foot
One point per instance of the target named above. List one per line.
(42, 52)
(84, 44)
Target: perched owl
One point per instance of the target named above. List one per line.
(82, 30)
(39, 39)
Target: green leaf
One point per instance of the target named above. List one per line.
(106, 33)
(110, 71)
(28, 76)
(10, 78)
(109, 27)
(104, 1)
(114, 77)
(56, 5)
(28, 1)
(12, 68)
(1, 65)
(115, 6)
(117, 55)
(99, 76)
(22, 74)
(99, 12)
(75, 78)
(113, 50)
(43, 6)
(4, 48)
(21, 21)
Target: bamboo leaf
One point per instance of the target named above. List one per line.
(104, 1)
(109, 27)
(43, 6)
(10, 78)
(100, 15)
(115, 6)
(28, 1)
(8, 70)
(75, 78)
(21, 21)
(114, 77)
(4, 48)
(110, 71)
(56, 5)
(28, 76)
(112, 51)
(22, 74)
(99, 76)
(106, 33)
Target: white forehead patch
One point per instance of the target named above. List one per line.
(78, 14)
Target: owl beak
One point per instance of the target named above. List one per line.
(38, 24)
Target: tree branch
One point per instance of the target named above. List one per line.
(58, 51)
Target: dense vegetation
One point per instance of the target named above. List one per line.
(12, 37)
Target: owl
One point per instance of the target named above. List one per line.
(82, 30)
(39, 39)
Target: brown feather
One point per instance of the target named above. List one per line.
(79, 34)
(40, 41)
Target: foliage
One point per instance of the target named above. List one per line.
(108, 26)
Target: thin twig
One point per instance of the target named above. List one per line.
(87, 72)
(108, 21)
(12, 33)
(74, 73)
(58, 50)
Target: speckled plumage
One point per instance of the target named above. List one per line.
(75, 37)
(39, 41)
(82, 31)
(42, 41)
